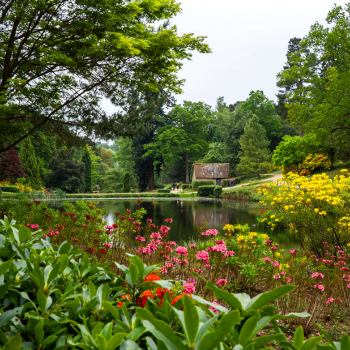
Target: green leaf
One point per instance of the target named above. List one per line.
(310, 344)
(325, 347)
(191, 319)
(49, 340)
(64, 248)
(23, 233)
(138, 262)
(134, 272)
(7, 316)
(204, 328)
(39, 332)
(268, 297)
(101, 341)
(113, 310)
(41, 300)
(136, 333)
(159, 329)
(345, 343)
(227, 297)
(205, 302)
(164, 284)
(107, 330)
(261, 341)
(248, 328)
(14, 343)
(151, 343)
(116, 340)
(298, 338)
(4, 267)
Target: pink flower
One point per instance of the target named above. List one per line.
(211, 232)
(172, 243)
(144, 250)
(346, 278)
(74, 240)
(193, 245)
(220, 241)
(169, 220)
(230, 253)
(276, 276)
(189, 288)
(156, 235)
(345, 269)
(149, 221)
(169, 265)
(274, 247)
(275, 264)
(219, 248)
(283, 272)
(293, 252)
(267, 259)
(317, 275)
(213, 308)
(34, 227)
(202, 255)
(163, 270)
(208, 266)
(288, 280)
(181, 251)
(141, 239)
(329, 300)
(319, 286)
(221, 281)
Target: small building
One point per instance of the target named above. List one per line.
(216, 172)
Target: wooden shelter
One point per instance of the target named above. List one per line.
(216, 172)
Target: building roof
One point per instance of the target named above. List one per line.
(211, 170)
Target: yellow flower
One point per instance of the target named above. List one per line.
(272, 216)
(278, 254)
(316, 210)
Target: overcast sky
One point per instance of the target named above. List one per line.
(249, 41)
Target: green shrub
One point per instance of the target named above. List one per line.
(217, 191)
(126, 188)
(206, 191)
(196, 184)
(96, 188)
(159, 186)
(0, 193)
(12, 189)
(184, 186)
(163, 191)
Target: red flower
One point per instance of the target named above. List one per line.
(115, 226)
(103, 251)
(91, 249)
(87, 217)
(91, 207)
(116, 213)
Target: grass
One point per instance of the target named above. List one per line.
(248, 192)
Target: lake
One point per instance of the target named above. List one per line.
(189, 214)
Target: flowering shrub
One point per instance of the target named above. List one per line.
(316, 209)
(22, 188)
(316, 162)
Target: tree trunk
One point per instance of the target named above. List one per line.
(151, 178)
(187, 171)
(162, 176)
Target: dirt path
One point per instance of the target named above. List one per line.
(274, 178)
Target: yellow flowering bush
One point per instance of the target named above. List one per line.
(23, 188)
(316, 209)
(316, 161)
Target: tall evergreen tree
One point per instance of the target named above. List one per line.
(255, 157)
(29, 163)
(87, 178)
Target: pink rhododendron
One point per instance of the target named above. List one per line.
(169, 220)
(202, 255)
(189, 288)
(317, 275)
(181, 251)
(221, 282)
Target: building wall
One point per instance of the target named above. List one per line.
(209, 171)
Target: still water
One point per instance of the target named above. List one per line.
(189, 215)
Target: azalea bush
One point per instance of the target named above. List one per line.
(316, 209)
(57, 297)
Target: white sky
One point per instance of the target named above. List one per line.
(249, 41)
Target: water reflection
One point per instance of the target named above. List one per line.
(189, 215)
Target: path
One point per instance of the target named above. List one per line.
(274, 178)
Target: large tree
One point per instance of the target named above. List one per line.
(30, 164)
(60, 58)
(264, 109)
(185, 135)
(255, 157)
(10, 166)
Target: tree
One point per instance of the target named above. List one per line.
(126, 188)
(217, 153)
(113, 181)
(65, 172)
(228, 128)
(294, 150)
(59, 58)
(264, 109)
(87, 177)
(10, 165)
(29, 164)
(255, 156)
(107, 157)
(186, 134)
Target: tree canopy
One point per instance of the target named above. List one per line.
(60, 58)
